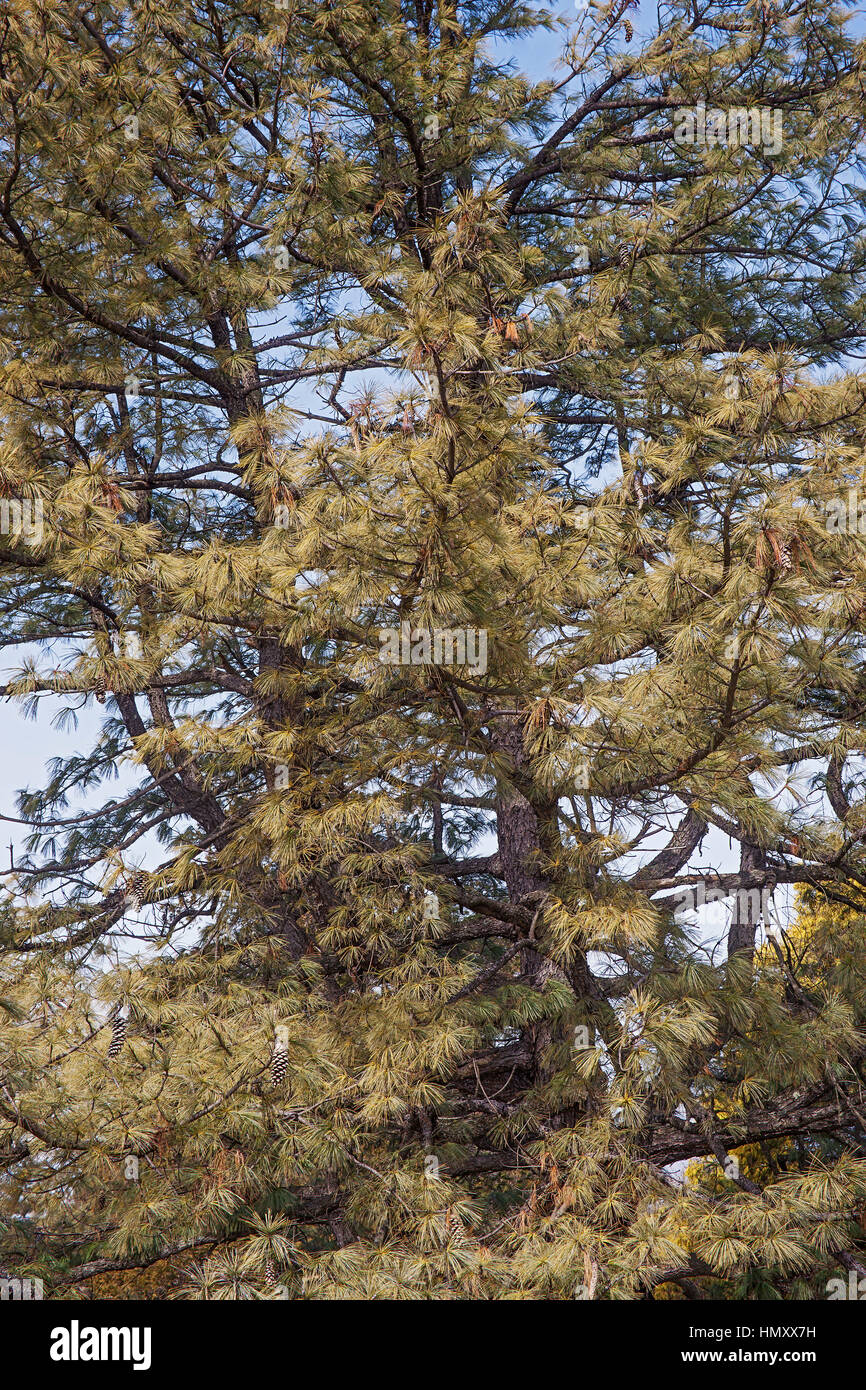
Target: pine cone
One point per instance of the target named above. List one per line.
(279, 1064)
(138, 888)
(773, 551)
(100, 688)
(629, 31)
(270, 1273)
(118, 1036)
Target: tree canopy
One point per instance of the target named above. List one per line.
(449, 487)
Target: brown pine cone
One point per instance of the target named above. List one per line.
(138, 888)
(279, 1065)
(118, 1037)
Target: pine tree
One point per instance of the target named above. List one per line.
(385, 394)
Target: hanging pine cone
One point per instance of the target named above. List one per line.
(279, 1064)
(774, 551)
(270, 1273)
(99, 688)
(118, 1036)
(629, 31)
(138, 888)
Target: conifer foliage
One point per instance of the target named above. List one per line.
(441, 492)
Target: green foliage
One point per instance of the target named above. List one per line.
(321, 323)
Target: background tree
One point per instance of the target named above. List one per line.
(318, 320)
(818, 955)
